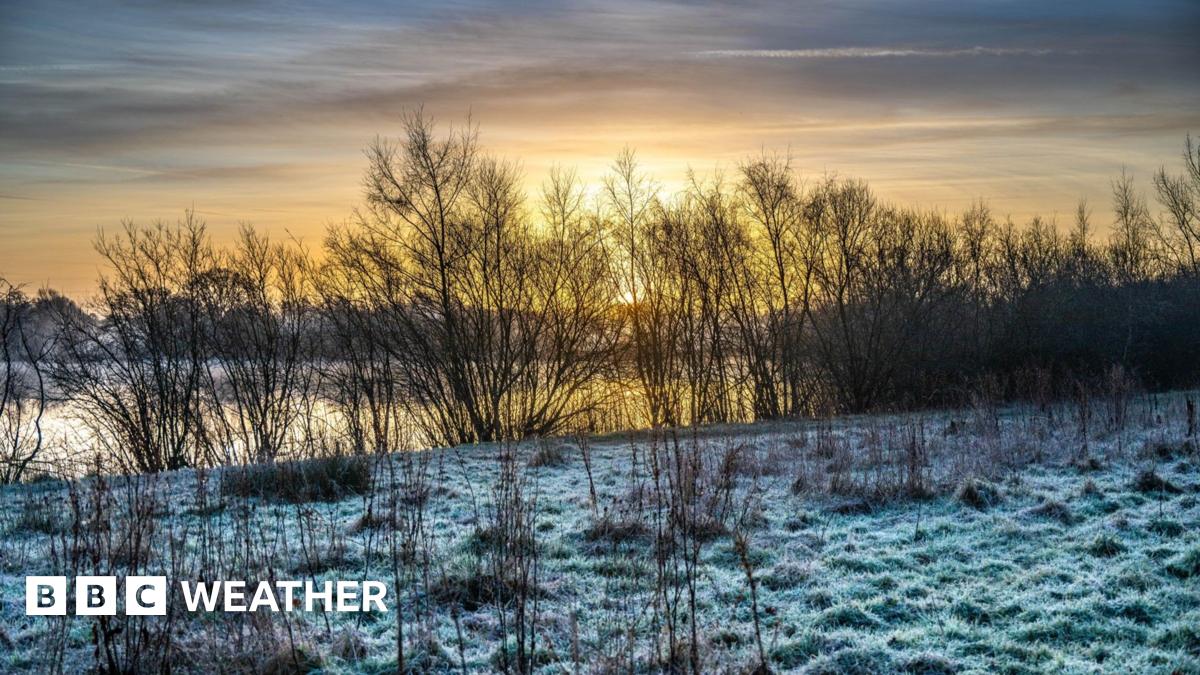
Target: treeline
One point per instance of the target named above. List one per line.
(452, 308)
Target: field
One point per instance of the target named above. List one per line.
(1004, 540)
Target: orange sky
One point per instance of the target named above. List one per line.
(259, 112)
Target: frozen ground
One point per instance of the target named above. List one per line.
(1026, 555)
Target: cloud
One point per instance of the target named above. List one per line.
(48, 67)
(139, 107)
(875, 53)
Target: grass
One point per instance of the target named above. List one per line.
(1037, 567)
(321, 480)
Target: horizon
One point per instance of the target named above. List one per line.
(260, 114)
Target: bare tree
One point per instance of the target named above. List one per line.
(629, 200)
(774, 202)
(1179, 234)
(135, 375)
(1131, 243)
(883, 274)
(24, 392)
(497, 330)
(704, 249)
(259, 327)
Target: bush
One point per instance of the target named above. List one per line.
(328, 479)
(1148, 481)
(979, 494)
(44, 480)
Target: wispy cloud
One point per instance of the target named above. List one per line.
(135, 109)
(874, 53)
(48, 67)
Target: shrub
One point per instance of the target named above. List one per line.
(328, 479)
(819, 599)
(857, 563)
(505, 658)
(336, 556)
(800, 484)
(469, 588)
(473, 587)
(616, 568)
(1149, 481)
(979, 494)
(44, 481)
(705, 528)
(798, 522)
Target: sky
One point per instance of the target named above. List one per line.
(258, 111)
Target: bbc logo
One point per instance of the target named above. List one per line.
(95, 596)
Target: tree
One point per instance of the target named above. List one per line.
(135, 375)
(259, 328)
(1131, 244)
(1179, 233)
(497, 330)
(774, 203)
(24, 396)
